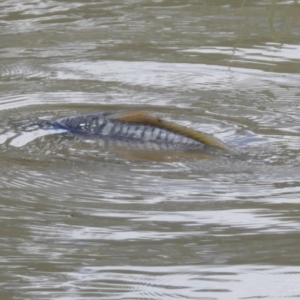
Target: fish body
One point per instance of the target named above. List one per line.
(139, 127)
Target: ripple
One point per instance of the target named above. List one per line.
(270, 53)
(182, 282)
(79, 220)
(15, 71)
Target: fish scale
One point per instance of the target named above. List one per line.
(110, 128)
(138, 127)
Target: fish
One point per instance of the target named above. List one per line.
(141, 127)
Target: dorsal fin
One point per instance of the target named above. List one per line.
(143, 117)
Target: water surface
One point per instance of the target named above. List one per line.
(82, 221)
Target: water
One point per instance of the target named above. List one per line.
(81, 221)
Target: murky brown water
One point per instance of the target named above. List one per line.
(79, 221)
